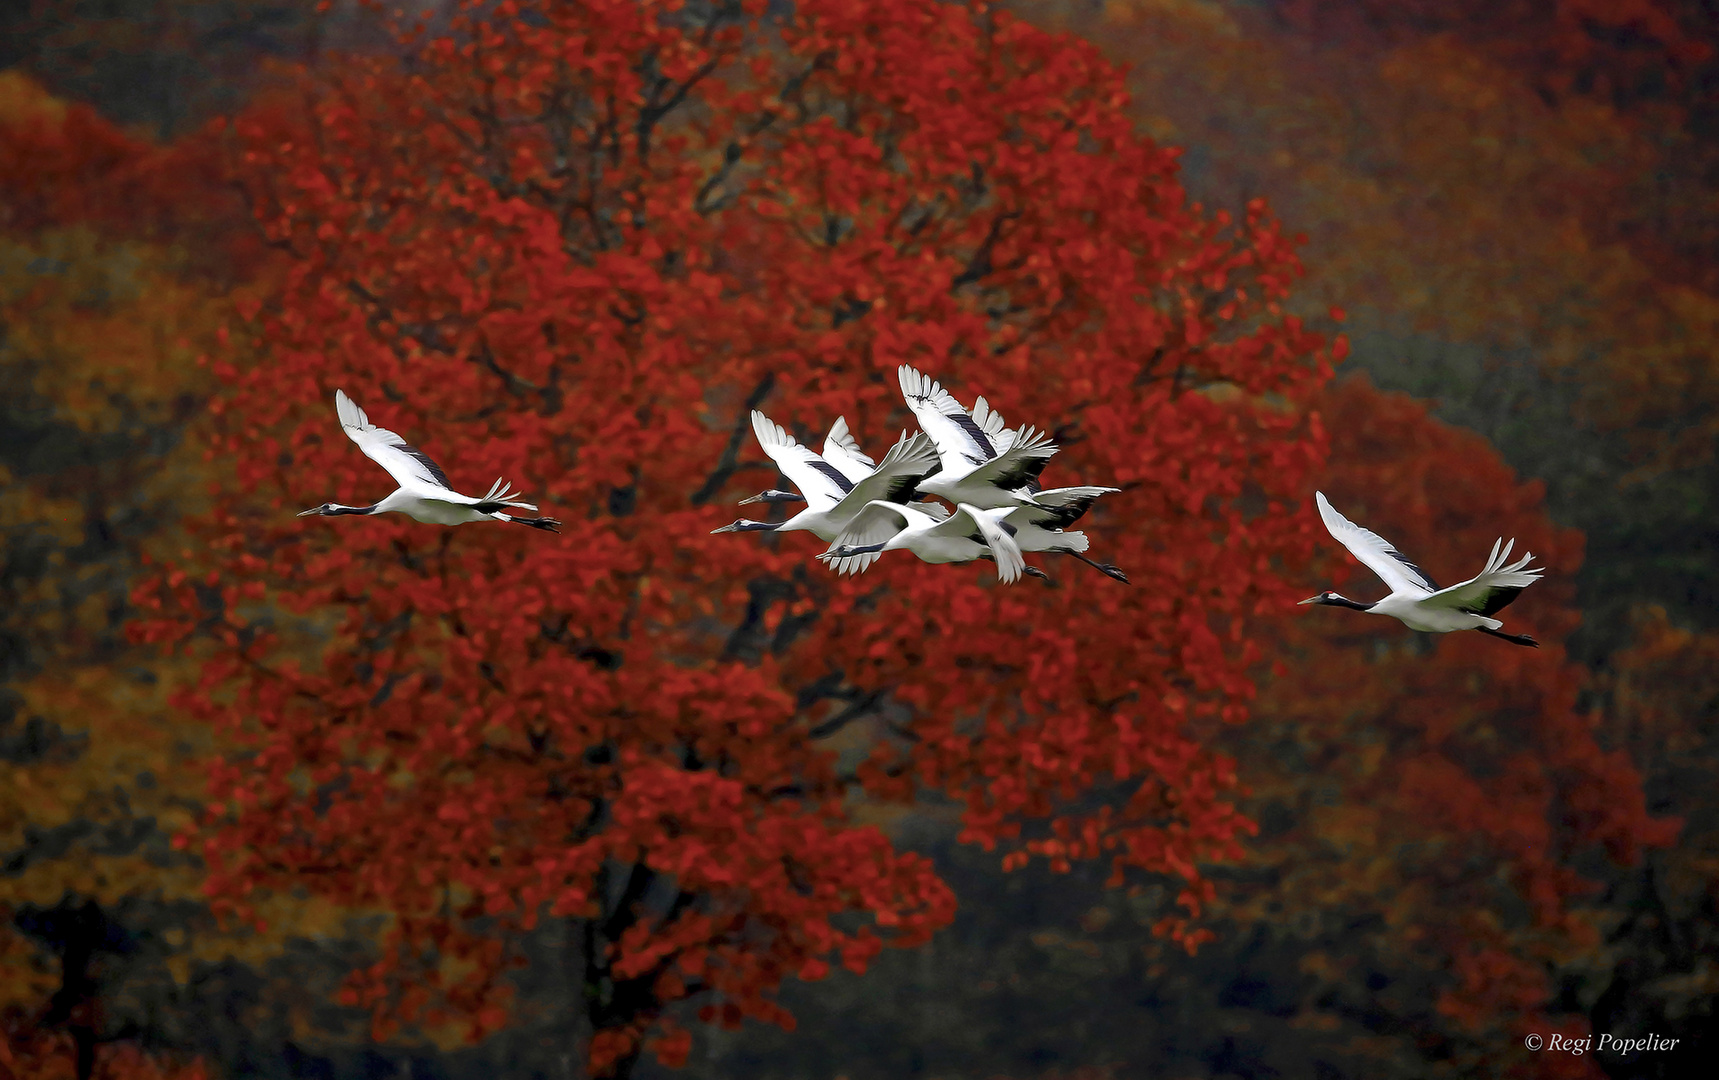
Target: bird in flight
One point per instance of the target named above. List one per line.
(424, 493)
(1415, 599)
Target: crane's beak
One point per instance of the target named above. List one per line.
(1311, 600)
(312, 510)
(726, 528)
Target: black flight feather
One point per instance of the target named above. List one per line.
(830, 471)
(1498, 599)
(1425, 578)
(424, 460)
(974, 432)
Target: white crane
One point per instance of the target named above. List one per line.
(969, 533)
(840, 451)
(1415, 599)
(974, 470)
(424, 494)
(832, 500)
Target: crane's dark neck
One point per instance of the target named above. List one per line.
(1343, 601)
(847, 552)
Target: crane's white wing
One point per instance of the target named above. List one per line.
(844, 453)
(989, 524)
(1002, 436)
(1058, 508)
(407, 464)
(819, 481)
(961, 443)
(1020, 464)
(907, 463)
(1491, 590)
(876, 522)
(1377, 553)
(991, 422)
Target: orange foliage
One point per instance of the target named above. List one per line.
(573, 249)
(100, 323)
(62, 164)
(29, 1054)
(1662, 690)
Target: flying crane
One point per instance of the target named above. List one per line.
(424, 493)
(1415, 600)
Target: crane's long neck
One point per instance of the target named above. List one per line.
(845, 552)
(336, 510)
(1337, 600)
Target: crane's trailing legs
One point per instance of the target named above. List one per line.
(1108, 570)
(1514, 639)
(547, 524)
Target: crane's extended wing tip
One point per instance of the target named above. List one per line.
(769, 432)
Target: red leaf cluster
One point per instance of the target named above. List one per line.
(62, 164)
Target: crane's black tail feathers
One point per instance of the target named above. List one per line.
(1514, 639)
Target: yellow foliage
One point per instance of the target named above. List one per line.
(101, 346)
(22, 99)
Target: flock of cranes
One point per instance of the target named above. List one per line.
(989, 473)
(971, 459)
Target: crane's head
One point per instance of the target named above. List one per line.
(335, 510)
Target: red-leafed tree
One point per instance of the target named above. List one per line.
(572, 244)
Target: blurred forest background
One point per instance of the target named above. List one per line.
(1516, 205)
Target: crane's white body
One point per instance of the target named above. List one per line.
(887, 526)
(1031, 537)
(1415, 599)
(974, 470)
(424, 493)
